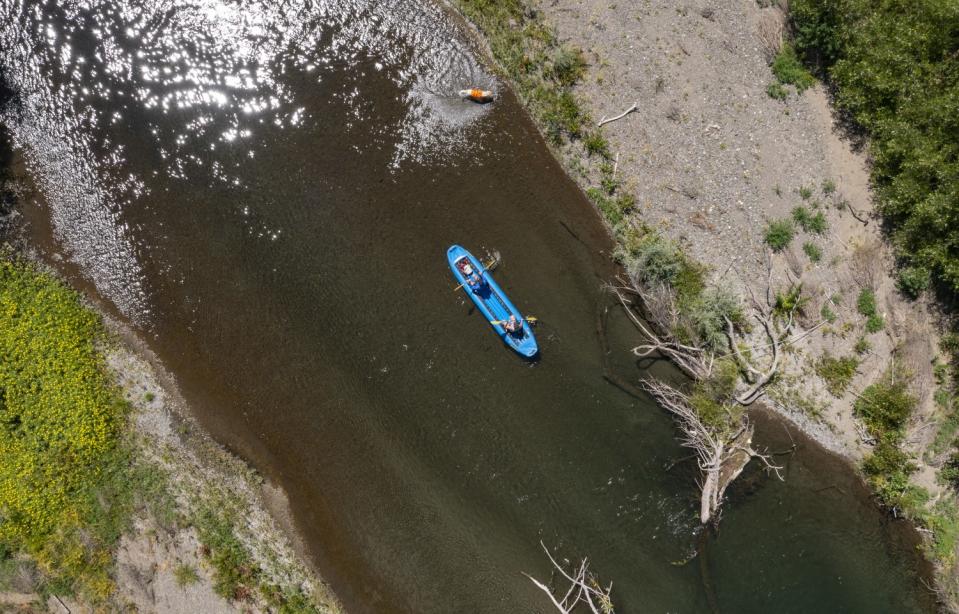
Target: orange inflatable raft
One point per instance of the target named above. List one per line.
(477, 95)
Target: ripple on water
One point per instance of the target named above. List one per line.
(196, 75)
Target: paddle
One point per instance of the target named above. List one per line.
(492, 262)
(530, 319)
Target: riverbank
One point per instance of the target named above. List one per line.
(750, 175)
(149, 513)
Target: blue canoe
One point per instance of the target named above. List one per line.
(492, 302)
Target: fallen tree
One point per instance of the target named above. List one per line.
(703, 332)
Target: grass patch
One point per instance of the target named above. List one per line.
(185, 575)
(862, 346)
(66, 488)
(827, 313)
(235, 574)
(866, 306)
(837, 373)
(809, 221)
(813, 251)
(779, 233)
(777, 91)
(828, 187)
(596, 144)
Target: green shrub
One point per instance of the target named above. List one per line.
(950, 470)
(654, 259)
(801, 215)
(777, 91)
(837, 373)
(828, 186)
(913, 281)
(813, 251)
(712, 401)
(789, 302)
(884, 407)
(875, 323)
(805, 192)
(614, 208)
(779, 233)
(788, 69)
(862, 346)
(707, 314)
(888, 469)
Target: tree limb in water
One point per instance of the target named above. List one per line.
(722, 456)
(583, 589)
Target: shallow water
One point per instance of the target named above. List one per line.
(267, 191)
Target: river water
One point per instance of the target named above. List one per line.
(266, 191)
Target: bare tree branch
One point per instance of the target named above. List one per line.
(583, 589)
(620, 116)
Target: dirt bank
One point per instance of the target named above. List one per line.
(712, 159)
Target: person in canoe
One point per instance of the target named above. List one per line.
(473, 280)
(513, 326)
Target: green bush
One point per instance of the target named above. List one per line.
(837, 373)
(894, 69)
(706, 316)
(788, 69)
(779, 233)
(828, 186)
(884, 407)
(913, 281)
(888, 469)
(862, 346)
(875, 323)
(805, 192)
(813, 251)
(654, 259)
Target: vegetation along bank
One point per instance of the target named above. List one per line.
(780, 183)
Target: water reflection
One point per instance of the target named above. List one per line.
(205, 79)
